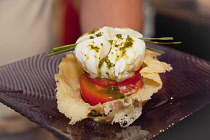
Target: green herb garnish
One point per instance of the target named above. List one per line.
(62, 49)
(161, 40)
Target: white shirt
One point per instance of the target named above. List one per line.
(26, 29)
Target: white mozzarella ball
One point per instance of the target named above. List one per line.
(111, 53)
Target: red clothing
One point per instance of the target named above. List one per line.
(72, 25)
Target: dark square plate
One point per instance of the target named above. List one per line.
(28, 87)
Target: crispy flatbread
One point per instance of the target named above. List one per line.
(123, 111)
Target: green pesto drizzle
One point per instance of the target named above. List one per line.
(118, 56)
(107, 61)
(99, 34)
(101, 62)
(116, 45)
(93, 31)
(111, 41)
(96, 48)
(107, 74)
(128, 43)
(99, 73)
(109, 65)
(91, 37)
(119, 36)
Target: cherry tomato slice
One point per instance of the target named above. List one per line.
(102, 82)
(93, 94)
(108, 83)
(130, 89)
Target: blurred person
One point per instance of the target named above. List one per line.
(31, 27)
(98, 13)
(28, 28)
(115, 13)
(25, 29)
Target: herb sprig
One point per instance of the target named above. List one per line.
(162, 40)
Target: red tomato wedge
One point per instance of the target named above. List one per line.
(94, 94)
(130, 89)
(95, 91)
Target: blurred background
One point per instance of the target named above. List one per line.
(185, 20)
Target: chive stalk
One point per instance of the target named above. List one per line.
(161, 40)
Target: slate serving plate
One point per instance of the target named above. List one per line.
(28, 87)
